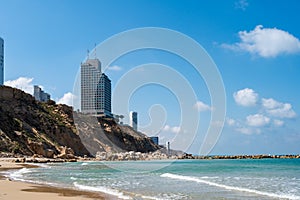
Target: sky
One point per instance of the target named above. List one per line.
(254, 45)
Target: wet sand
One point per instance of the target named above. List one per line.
(14, 190)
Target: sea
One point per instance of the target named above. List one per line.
(262, 179)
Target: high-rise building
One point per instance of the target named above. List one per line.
(95, 89)
(168, 148)
(104, 92)
(1, 61)
(133, 120)
(40, 95)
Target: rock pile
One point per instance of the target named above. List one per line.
(132, 155)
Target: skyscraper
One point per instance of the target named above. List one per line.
(95, 89)
(133, 120)
(104, 94)
(1, 61)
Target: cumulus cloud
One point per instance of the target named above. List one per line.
(201, 107)
(174, 129)
(278, 122)
(246, 97)
(266, 42)
(278, 109)
(67, 99)
(230, 122)
(257, 120)
(22, 83)
(248, 130)
(271, 112)
(114, 68)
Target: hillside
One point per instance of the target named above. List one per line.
(29, 127)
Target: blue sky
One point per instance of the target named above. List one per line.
(255, 45)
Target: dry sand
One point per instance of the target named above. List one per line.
(13, 190)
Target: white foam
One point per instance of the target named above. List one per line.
(84, 163)
(103, 190)
(148, 197)
(17, 175)
(210, 177)
(240, 189)
(42, 165)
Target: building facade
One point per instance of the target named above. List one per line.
(95, 89)
(168, 148)
(103, 104)
(154, 139)
(133, 118)
(1, 61)
(40, 95)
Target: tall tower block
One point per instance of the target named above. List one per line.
(95, 89)
(133, 120)
(1, 61)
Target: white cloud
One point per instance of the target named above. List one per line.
(67, 99)
(230, 122)
(166, 128)
(278, 122)
(278, 109)
(22, 83)
(201, 107)
(241, 4)
(272, 113)
(114, 68)
(174, 129)
(266, 42)
(246, 97)
(257, 120)
(248, 131)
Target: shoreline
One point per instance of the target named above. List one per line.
(29, 161)
(15, 189)
(12, 189)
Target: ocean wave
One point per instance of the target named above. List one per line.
(162, 196)
(210, 177)
(152, 198)
(227, 187)
(85, 163)
(17, 175)
(103, 190)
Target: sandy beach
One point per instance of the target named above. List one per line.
(10, 190)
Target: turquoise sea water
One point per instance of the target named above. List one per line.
(183, 179)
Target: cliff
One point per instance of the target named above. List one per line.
(105, 135)
(30, 127)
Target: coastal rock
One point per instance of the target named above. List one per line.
(30, 127)
(105, 135)
(49, 153)
(36, 147)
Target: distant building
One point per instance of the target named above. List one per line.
(95, 89)
(168, 148)
(154, 139)
(118, 118)
(133, 120)
(1, 61)
(40, 95)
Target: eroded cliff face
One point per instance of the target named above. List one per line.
(105, 135)
(29, 127)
